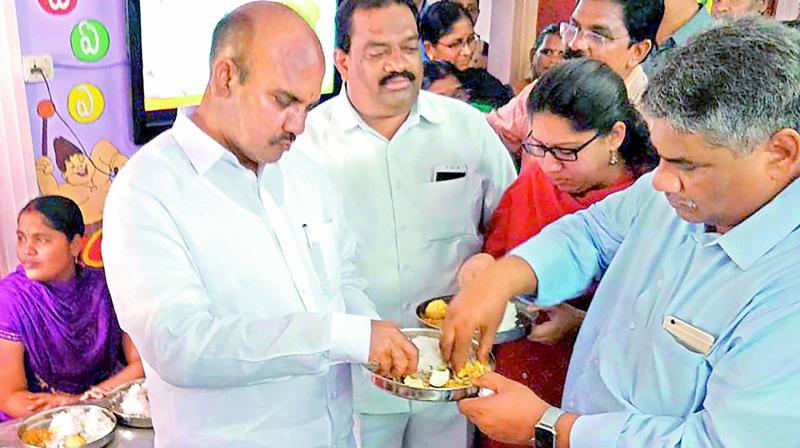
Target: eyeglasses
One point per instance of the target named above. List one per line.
(540, 150)
(471, 41)
(569, 32)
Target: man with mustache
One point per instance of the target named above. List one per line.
(421, 174)
(691, 338)
(230, 261)
(620, 33)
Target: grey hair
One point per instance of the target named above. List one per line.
(736, 84)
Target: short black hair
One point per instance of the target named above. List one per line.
(436, 70)
(346, 9)
(484, 88)
(60, 213)
(549, 30)
(642, 18)
(439, 20)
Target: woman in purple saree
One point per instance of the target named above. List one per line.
(60, 341)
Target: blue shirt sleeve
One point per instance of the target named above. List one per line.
(569, 254)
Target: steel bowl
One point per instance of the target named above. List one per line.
(115, 405)
(427, 394)
(42, 420)
(521, 328)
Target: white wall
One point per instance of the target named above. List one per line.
(17, 176)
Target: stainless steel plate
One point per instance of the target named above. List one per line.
(42, 420)
(520, 330)
(429, 394)
(115, 404)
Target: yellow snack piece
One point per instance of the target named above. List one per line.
(74, 441)
(436, 309)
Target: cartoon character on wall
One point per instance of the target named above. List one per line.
(87, 179)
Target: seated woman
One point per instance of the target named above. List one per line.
(589, 142)
(60, 341)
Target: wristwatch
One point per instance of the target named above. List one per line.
(544, 435)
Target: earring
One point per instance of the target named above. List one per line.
(614, 161)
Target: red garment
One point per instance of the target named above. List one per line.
(529, 204)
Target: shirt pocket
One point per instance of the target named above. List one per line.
(323, 250)
(450, 209)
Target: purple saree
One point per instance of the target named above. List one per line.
(69, 330)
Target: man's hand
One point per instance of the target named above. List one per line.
(509, 415)
(479, 307)
(563, 320)
(472, 267)
(391, 351)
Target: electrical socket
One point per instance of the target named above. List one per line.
(43, 61)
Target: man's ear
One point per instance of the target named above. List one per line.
(342, 61)
(639, 52)
(223, 72)
(783, 154)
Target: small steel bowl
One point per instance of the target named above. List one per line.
(402, 390)
(42, 420)
(115, 404)
(520, 330)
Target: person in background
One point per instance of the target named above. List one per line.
(547, 51)
(421, 175)
(60, 341)
(683, 19)
(442, 78)
(620, 33)
(480, 58)
(486, 93)
(230, 260)
(590, 142)
(739, 8)
(448, 33)
(691, 339)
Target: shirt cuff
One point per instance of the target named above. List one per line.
(597, 431)
(350, 338)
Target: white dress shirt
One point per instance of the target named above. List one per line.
(234, 287)
(413, 232)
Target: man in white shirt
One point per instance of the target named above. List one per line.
(230, 261)
(420, 174)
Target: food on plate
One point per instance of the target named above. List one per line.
(37, 436)
(70, 428)
(134, 401)
(433, 372)
(436, 310)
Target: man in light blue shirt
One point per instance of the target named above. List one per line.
(691, 339)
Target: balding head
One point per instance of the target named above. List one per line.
(266, 72)
(269, 26)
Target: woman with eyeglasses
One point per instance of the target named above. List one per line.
(60, 341)
(448, 34)
(589, 142)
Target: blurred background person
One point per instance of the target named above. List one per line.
(448, 34)
(442, 78)
(60, 340)
(480, 58)
(739, 8)
(620, 33)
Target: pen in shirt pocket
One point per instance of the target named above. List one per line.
(305, 232)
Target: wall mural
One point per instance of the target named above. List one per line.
(82, 116)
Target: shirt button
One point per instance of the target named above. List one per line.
(525, 375)
(571, 404)
(596, 361)
(631, 325)
(659, 283)
(405, 267)
(407, 306)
